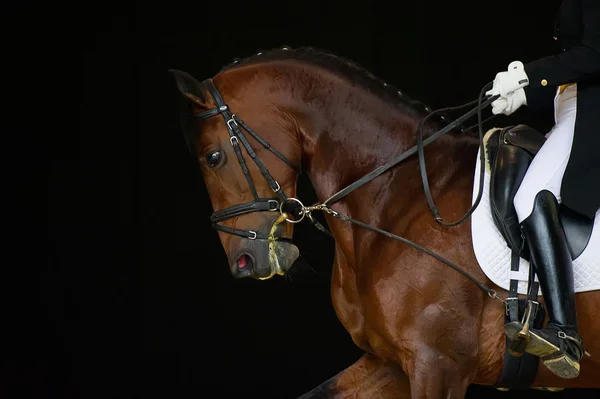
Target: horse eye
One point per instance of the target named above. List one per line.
(214, 158)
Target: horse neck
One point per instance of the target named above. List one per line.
(350, 131)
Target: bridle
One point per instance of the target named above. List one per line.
(293, 206)
(281, 203)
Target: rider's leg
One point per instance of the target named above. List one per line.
(536, 203)
(548, 167)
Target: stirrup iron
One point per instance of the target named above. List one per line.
(519, 342)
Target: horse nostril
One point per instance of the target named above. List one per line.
(242, 261)
(245, 263)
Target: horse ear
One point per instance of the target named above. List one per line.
(189, 87)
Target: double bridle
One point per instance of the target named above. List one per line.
(286, 205)
(281, 203)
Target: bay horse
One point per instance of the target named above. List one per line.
(428, 332)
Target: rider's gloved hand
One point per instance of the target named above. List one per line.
(509, 85)
(508, 81)
(509, 104)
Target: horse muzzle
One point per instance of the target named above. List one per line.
(263, 259)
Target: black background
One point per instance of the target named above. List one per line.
(135, 298)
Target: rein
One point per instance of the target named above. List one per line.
(419, 148)
(325, 206)
(285, 204)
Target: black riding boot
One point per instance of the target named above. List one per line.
(559, 344)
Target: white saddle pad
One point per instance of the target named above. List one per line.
(493, 254)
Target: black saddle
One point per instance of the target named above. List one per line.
(510, 151)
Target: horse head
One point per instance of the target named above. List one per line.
(250, 177)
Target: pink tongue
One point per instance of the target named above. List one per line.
(242, 261)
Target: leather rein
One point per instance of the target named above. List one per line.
(294, 206)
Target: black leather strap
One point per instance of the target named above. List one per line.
(512, 300)
(481, 285)
(261, 204)
(253, 235)
(209, 113)
(250, 234)
(420, 147)
(208, 83)
(242, 162)
(268, 146)
(235, 131)
(395, 161)
(519, 372)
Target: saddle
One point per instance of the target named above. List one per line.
(509, 152)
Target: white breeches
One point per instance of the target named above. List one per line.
(548, 166)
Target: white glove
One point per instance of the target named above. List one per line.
(507, 82)
(509, 104)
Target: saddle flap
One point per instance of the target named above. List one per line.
(508, 165)
(578, 230)
(524, 137)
